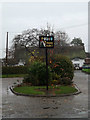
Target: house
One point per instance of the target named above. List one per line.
(78, 62)
(87, 60)
(20, 63)
(86, 64)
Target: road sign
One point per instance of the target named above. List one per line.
(46, 41)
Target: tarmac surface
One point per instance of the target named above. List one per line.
(75, 106)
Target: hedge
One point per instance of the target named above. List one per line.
(37, 74)
(15, 70)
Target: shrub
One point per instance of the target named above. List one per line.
(63, 67)
(65, 81)
(15, 70)
(55, 82)
(36, 59)
(55, 76)
(37, 74)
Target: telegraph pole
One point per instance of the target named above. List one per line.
(7, 49)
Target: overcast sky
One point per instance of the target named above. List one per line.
(69, 17)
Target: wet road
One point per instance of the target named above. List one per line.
(40, 107)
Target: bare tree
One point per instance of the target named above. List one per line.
(61, 38)
(29, 40)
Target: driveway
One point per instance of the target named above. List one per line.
(75, 106)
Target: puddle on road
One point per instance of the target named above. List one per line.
(76, 109)
(80, 112)
(83, 112)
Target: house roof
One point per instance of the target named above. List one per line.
(71, 51)
(77, 58)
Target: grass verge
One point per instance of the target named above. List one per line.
(12, 75)
(29, 90)
(86, 70)
(41, 90)
(66, 90)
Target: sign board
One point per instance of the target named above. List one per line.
(46, 41)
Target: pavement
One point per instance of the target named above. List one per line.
(75, 106)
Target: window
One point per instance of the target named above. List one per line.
(76, 65)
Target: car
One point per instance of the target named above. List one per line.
(86, 66)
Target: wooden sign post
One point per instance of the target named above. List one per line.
(46, 42)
